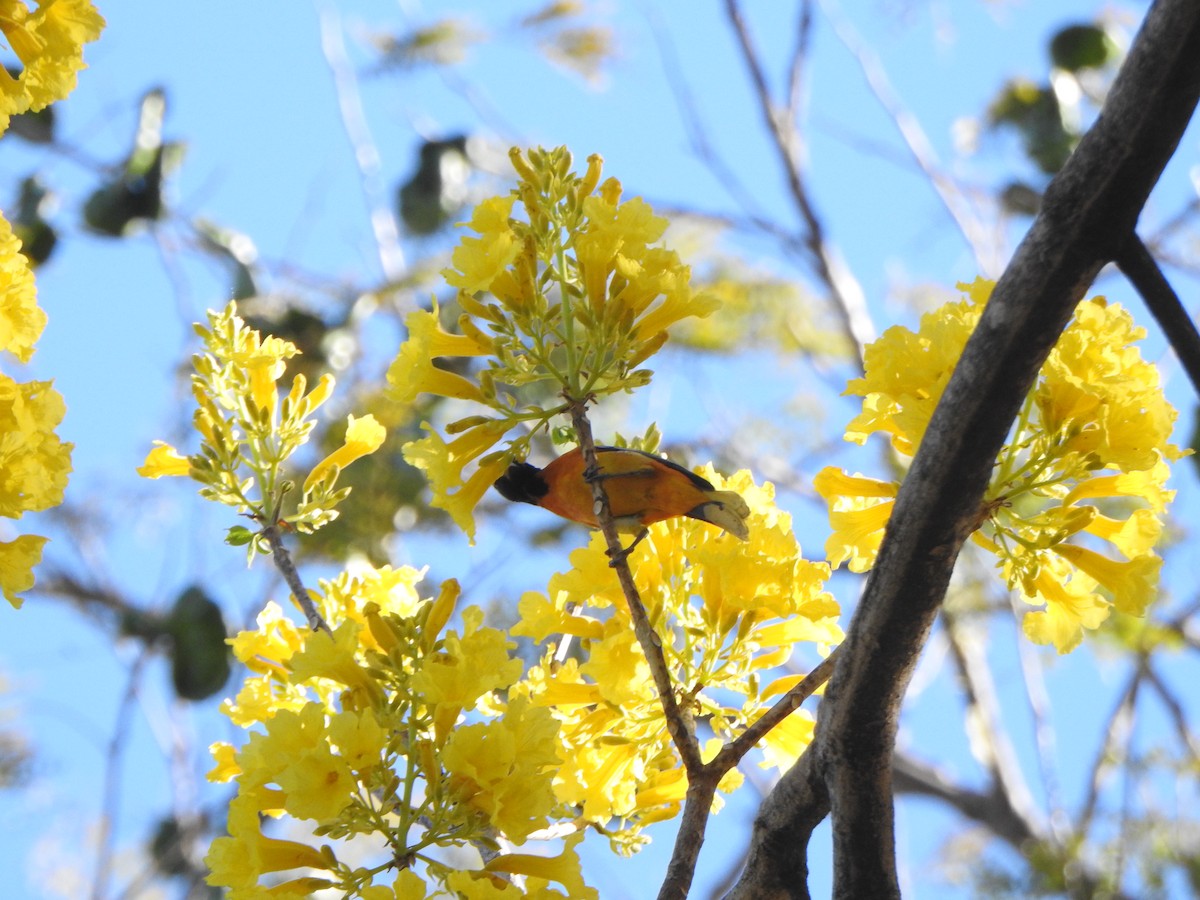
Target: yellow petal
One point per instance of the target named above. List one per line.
(164, 460)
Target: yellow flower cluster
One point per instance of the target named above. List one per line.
(563, 304)
(1086, 465)
(390, 727)
(729, 615)
(34, 463)
(248, 431)
(48, 41)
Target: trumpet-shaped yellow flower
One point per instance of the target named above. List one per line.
(413, 371)
(164, 460)
(1071, 606)
(479, 261)
(363, 436)
(239, 860)
(859, 508)
(565, 868)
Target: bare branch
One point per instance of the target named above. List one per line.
(992, 808)
(844, 289)
(1007, 781)
(287, 568)
(112, 776)
(1135, 261)
(986, 251)
(366, 154)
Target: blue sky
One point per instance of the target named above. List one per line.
(253, 98)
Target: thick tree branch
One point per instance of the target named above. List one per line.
(1090, 208)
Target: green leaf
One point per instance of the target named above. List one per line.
(238, 536)
(1084, 46)
(199, 655)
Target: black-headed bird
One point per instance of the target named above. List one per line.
(642, 489)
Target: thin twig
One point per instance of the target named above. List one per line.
(1007, 778)
(844, 290)
(796, 68)
(1038, 699)
(679, 723)
(1118, 723)
(112, 776)
(1139, 266)
(1178, 717)
(287, 568)
(987, 255)
(366, 154)
(734, 750)
(697, 134)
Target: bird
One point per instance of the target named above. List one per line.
(642, 489)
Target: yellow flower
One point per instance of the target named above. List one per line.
(540, 618)
(1133, 583)
(1133, 536)
(906, 372)
(469, 667)
(21, 319)
(34, 463)
(359, 738)
(409, 886)
(237, 861)
(334, 657)
(618, 666)
(1071, 606)
(412, 372)
(264, 361)
(164, 460)
(504, 768)
(1096, 425)
(49, 44)
(363, 435)
(565, 868)
(786, 741)
(17, 559)
(271, 645)
(478, 261)
(859, 509)
(295, 754)
(443, 464)
(225, 756)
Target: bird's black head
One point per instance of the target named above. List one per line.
(522, 483)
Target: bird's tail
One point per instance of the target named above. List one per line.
(726, 510)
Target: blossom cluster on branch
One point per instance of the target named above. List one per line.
(1081, 478)
(34, 462)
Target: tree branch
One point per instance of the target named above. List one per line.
(1139, 266)
(287, 568)
(1090, 208)
(844, 289)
